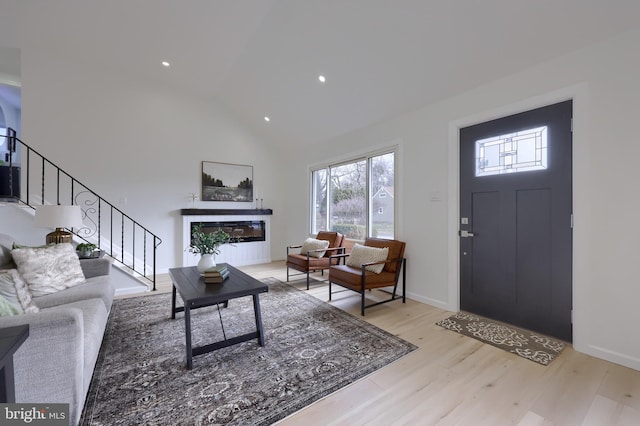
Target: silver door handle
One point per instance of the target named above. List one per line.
(466, 234)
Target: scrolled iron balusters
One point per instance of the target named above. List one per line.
(88, 202)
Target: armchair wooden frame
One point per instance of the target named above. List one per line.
(360, 280)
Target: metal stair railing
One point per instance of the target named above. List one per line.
(115, 233)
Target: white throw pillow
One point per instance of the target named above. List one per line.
(15, 291)
(364, 254)
(313, 244)
(49, 269)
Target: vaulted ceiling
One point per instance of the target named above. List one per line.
(263, 57)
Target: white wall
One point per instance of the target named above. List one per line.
(128, 140)
(603, 81)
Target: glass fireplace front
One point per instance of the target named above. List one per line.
(241, 231)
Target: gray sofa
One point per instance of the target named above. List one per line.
(56, 362)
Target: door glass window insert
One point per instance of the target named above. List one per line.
(516, 152)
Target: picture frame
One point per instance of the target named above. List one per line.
(227, 182)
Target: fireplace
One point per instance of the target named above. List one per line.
(242, 231)
(250, 226)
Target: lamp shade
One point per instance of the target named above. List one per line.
(55, 216)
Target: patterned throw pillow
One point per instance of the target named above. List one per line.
(7, 309)
(14, 290)
(49, 269)
(364, 254)
(313, 244)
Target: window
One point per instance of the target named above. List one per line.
(516, 152)
(347, 197)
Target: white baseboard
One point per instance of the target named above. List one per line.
(131, 290)
(429, 301)
(612, 356)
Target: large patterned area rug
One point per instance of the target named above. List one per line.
(311, 350)
(527, 344)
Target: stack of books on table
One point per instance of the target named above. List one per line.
(217, 274)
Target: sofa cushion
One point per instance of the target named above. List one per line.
(100, 287)
(313, 244)
(56, 362)
(14, 289)
(299, 262)
(49, 365)
(94, 320)
(363, 254)
(48, 269)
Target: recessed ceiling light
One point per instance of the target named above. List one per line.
(267, 119)
(322, 78)
(165, 63)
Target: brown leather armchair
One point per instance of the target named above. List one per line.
(362, 279)
(306, 263)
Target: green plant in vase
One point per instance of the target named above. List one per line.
(207, 244)
(85, 249)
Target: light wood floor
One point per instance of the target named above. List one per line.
(455, 380)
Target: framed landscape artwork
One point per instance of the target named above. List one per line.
(226, 182)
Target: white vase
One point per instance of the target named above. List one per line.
(205, 263)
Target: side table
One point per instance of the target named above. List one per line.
(11, 338)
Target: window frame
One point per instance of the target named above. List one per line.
(367, 157)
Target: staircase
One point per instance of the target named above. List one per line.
(132, 246)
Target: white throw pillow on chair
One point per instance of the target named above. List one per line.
(365, 254)
(313, 244)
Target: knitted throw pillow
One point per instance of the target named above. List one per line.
(364, 254)
(313, 244)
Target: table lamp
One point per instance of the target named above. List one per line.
(59, 217)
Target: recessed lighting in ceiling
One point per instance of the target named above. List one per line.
(322, 78)
(267, 119)
(165, 64)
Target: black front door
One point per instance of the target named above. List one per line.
(515, 219)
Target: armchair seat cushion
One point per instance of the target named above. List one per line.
(98, 287)
(350, 277)
(299, 262)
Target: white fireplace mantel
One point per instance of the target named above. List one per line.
(249, 253)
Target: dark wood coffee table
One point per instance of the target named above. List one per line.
(196, 294)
